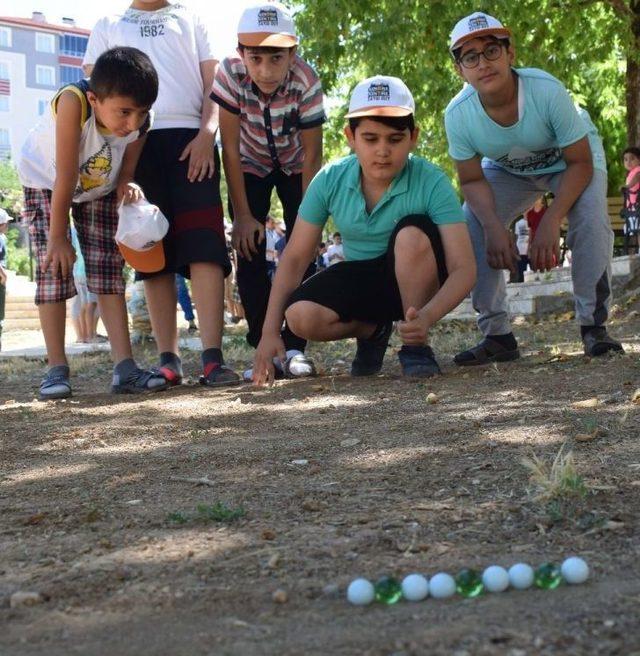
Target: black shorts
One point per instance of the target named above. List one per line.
(193, 209)
(367, 290)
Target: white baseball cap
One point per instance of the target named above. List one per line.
(4, 216)
(267, 25)
(474, 26)
(381, 95)
(141, 228)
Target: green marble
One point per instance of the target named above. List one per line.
(388, 590)
(548, 576)
(469, 583)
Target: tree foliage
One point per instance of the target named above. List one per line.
(582, 42)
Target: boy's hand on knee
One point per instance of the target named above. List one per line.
(60, 257)
(501, 249)
(544, 251)
(414, 330)
(243, 235)
(270, 346)
(200, 153)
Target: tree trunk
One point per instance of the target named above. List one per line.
(633, 78)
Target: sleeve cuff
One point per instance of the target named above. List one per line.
(225, 105)
(313, 124)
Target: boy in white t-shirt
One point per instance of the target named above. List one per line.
(179, 171)
(515, 134)
(82, 160)
(335, 252)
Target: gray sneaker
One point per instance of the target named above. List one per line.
(55, 384)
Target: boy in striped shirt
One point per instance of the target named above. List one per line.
(271, 116)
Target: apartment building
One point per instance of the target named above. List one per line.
(36, 58)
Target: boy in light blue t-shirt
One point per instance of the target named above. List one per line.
(407, 251)
(515, 134)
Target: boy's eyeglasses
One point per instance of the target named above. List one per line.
(471, 59)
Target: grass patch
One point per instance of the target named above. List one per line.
(556, 480)
(205, 513)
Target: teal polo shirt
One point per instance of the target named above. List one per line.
(420, 188)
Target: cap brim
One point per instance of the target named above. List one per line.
(383, 110)
(500, 32)
(149, 261)
(267, 40)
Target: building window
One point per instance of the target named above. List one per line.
(72, 45)
(5, 37)
(4, 137)
(45, 42)
(42, 106)
(69, 74)
(46, 76)
(4, 103)
(4, 71)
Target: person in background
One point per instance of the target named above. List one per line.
(335, 252)
(534, 215)
(4, 226)
(84, 310)
(272, 236)
(522, 244)
(631, 160)
(184, 299)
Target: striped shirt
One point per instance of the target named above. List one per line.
(270, 125)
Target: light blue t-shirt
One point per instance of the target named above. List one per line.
(420, 188)
(548, 122)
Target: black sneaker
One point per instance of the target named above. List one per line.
(418, 362)
(488, 350)
(598, 342)
(370, 353)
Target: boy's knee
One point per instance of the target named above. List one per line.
(412, 242)
(297, 318)
(303, 318)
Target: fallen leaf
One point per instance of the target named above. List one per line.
(586, 403)
(268, 534)
(35, 519)
(586, 437)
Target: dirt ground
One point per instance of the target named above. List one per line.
(129, 557)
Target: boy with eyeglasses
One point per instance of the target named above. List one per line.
(515, 134)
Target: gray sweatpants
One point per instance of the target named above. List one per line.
(589, 238)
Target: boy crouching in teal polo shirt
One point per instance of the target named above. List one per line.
(408, 255)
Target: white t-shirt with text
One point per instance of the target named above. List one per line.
(177, 42)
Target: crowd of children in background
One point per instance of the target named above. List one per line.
(408, 249)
